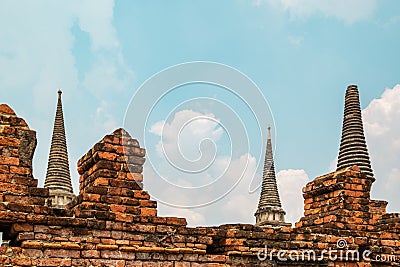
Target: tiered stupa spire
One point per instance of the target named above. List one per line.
(269, 212)
(353, 148)
(58, 179)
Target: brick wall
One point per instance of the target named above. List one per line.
(114, 222)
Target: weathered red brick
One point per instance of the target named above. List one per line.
(6, 160)
(4, 108)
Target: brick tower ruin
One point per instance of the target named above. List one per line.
(270, 212)
(58, 178)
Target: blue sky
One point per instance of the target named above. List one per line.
(301, 54)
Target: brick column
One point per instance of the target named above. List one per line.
(111, 180)
(19, 195)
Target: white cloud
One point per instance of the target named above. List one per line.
(380, 113)
(393, 180)
(217, 194)
(348, 11)
(157, 128)
(241, 204)
(151, 183)
(108, 73)
(109, 70)
(196, 123)
(99, 23)
(36, 48)
(381, 121)
(238, 206)
(290, 184)
(184, 138)
(333, 165)
(104, 122)
(37, 58)
(296, 40)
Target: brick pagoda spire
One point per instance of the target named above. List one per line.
(270, 212)
(58, 179)
(353, 148)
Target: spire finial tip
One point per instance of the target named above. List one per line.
(269, 131)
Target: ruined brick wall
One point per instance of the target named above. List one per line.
(113, 221)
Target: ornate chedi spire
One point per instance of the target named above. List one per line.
(58, 179)
(353, 148)
(270, 212)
